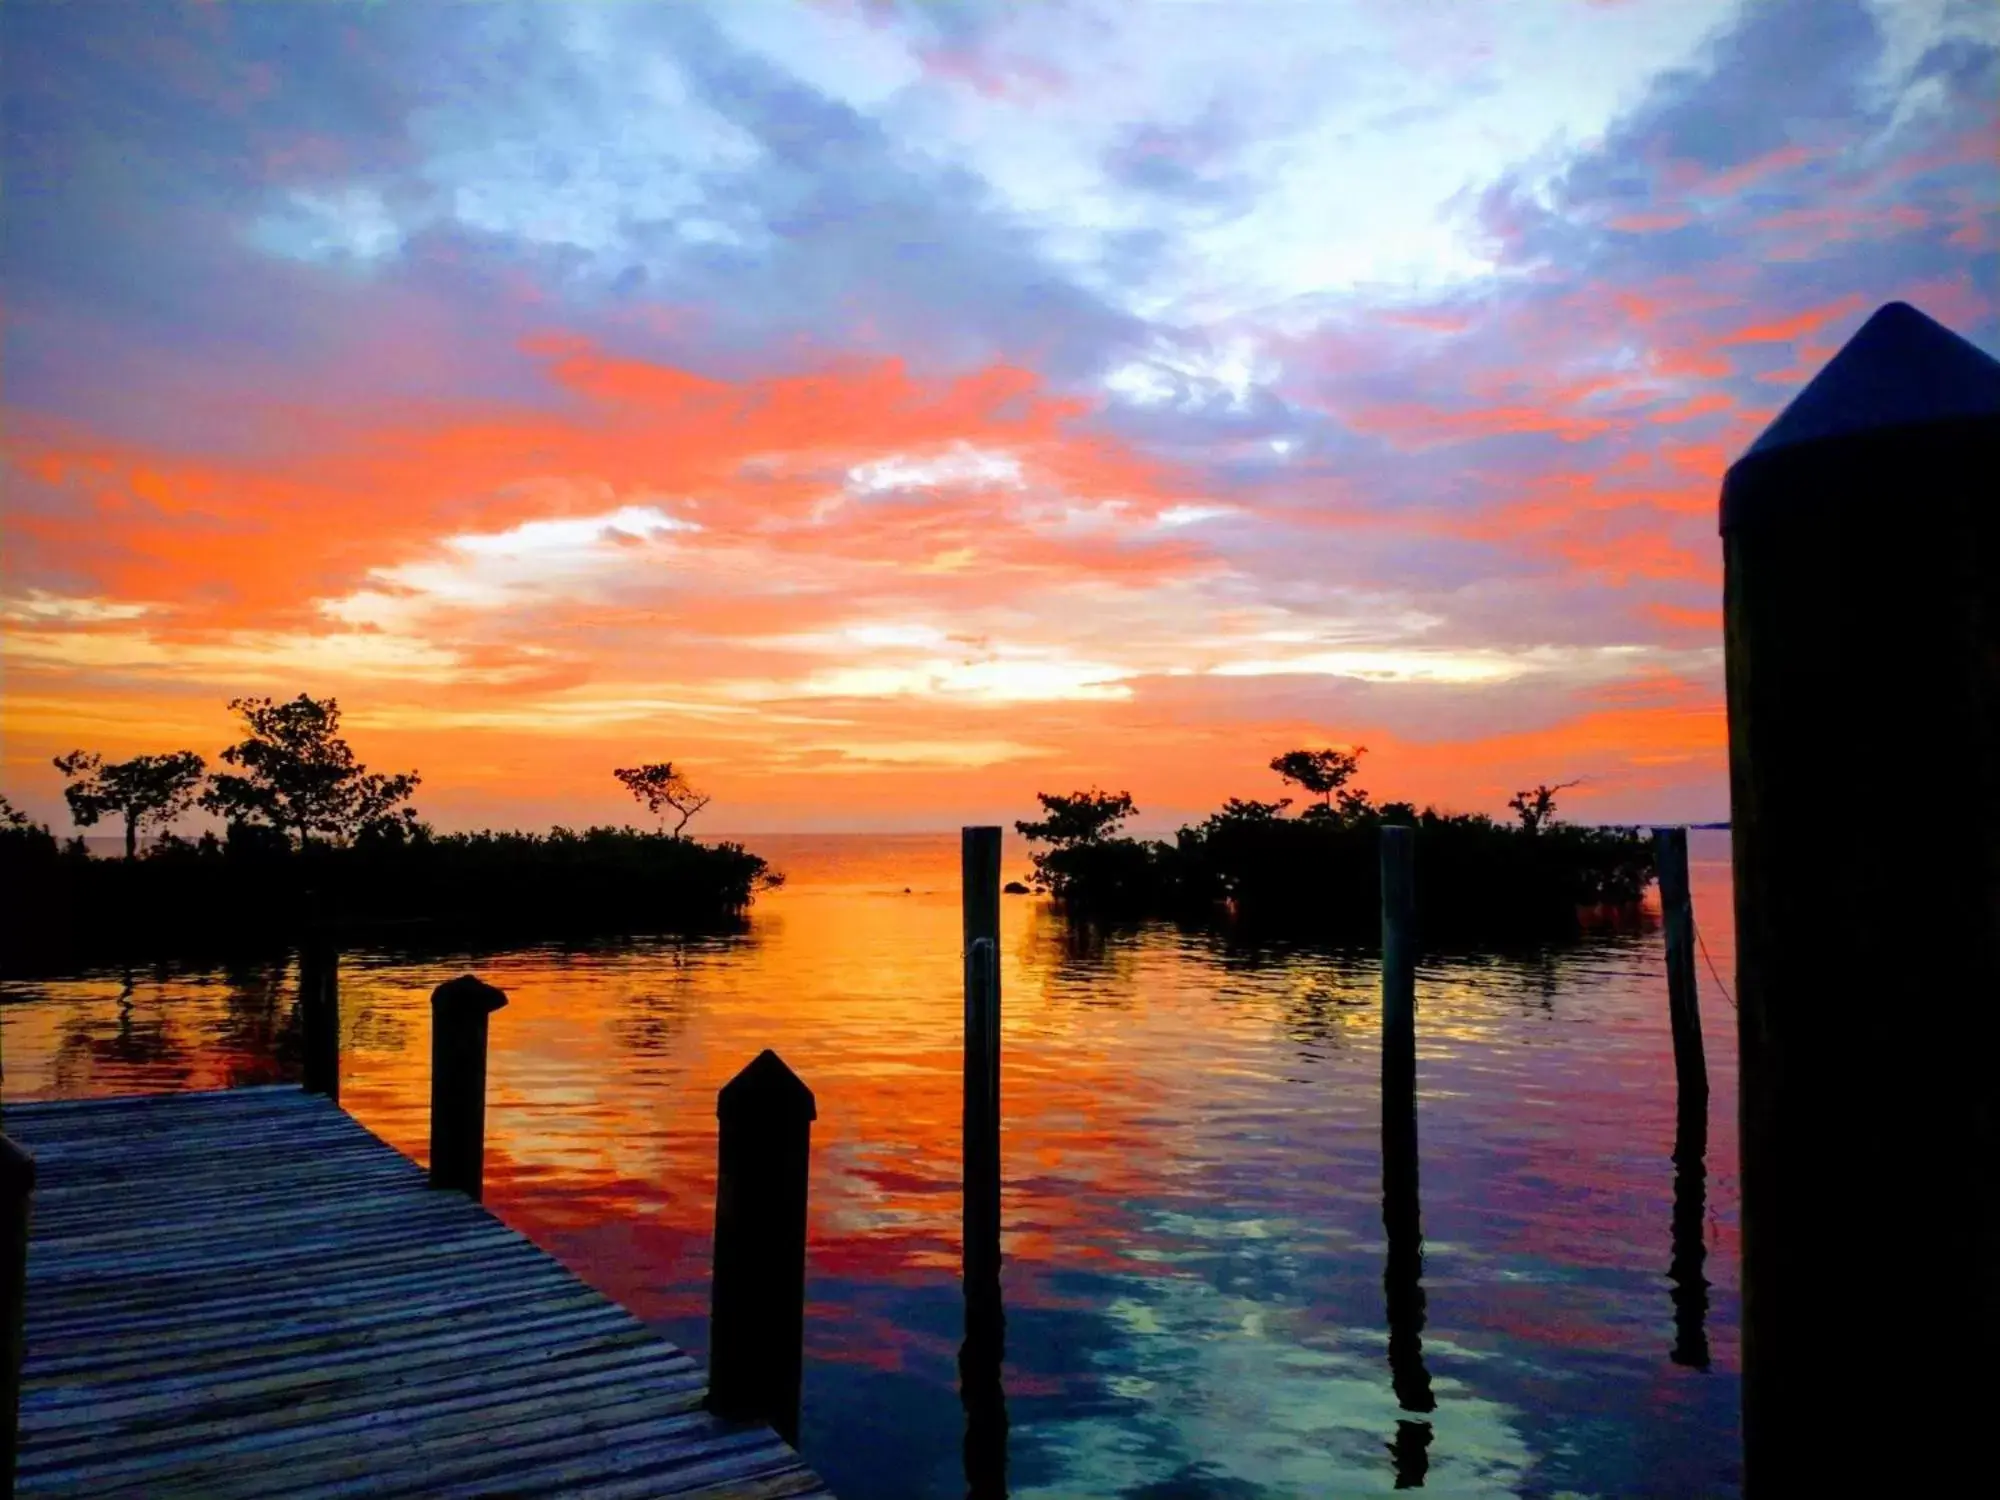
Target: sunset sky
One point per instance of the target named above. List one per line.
(890, 410)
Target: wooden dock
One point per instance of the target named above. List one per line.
(248, 1293)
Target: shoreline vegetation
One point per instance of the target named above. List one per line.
(313, 840)
(1318, 872)
(312, 837)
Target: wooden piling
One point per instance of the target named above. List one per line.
(757, 1294)
(1402, 1216)
(319, 1013)
(1399, 967)
(17, 1194)
(980, 868)
(981, 1355)
(1683, 1003)
(1861, 618)
(460, 1009)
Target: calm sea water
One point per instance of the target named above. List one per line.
(1194, 1238)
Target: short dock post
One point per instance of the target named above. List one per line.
(17, 1192)
(1861, 617)
(459, 1011)
(1402, 1217)
(1683, 1004)
(756, 1323)
(319, 1012)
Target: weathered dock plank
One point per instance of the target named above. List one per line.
(246, 1293)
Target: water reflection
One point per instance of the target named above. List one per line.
(1690, 1285)
(982, 1394)
(132, 1041)
(1195, 1288)
(1411, 1452)
(1402, 1276)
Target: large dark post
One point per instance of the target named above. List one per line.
(1861, 594)
(459, 1011)
(1683, 1003)
(319, 1012)
(756, 1325)
(17, 1193)
(1402, 1214)
(981, 1355)
(980, 861)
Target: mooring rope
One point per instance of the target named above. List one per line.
(1711, 965)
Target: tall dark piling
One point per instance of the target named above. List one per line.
(319, 1012)
(1686, 1270)
(980, 1356)
(1402, 1215)
(17, 1195)
(460, 1009)
(1399, 977)
(757, 1297)
(1683, 998)
(1861, 593)
(980, 862)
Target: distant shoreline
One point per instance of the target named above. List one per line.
(112, 848)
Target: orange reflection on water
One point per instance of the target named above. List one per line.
(1192, 1203)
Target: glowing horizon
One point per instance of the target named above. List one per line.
(891, 411)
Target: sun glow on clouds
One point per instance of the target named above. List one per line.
(1008, 676)
(565, 557)
(967, 402)
(962, 466)
(37, 606)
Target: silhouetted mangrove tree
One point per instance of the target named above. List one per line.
(311, 835)
(1319, 872)
(252, 892)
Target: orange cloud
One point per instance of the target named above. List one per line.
(240, 544)
(1674, 617)
(1784, 330)
(1707, 403)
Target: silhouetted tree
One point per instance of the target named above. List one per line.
(1325, 773)
(1537, 805)
(22, 836)
(300, 778)
(1088, 865)
(659, 787)
(1238, 811)
(1079, 818)
(147, 791)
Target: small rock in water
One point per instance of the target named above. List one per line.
(1015, 888)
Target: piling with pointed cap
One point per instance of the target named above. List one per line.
(460, 1009)
(756, 1323)
(17, 1192)
(1861, 549)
